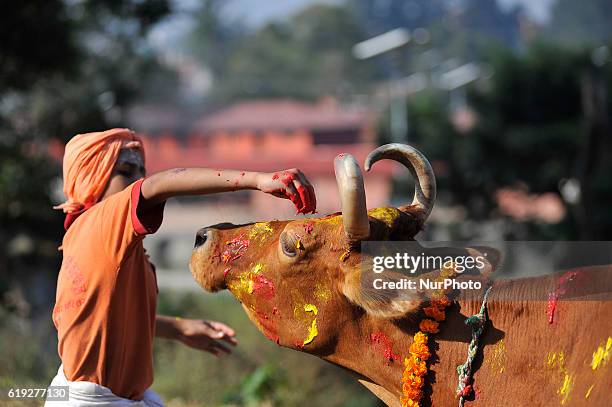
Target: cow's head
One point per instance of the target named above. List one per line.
(299, 280)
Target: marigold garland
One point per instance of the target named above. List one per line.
(429, 326)
(415, 365)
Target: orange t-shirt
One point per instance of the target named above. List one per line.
(106, 296)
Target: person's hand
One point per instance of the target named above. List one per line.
(209, 336)
(289, 184)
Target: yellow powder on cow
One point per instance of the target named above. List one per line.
(322, 292)
(557, 360)
(588, 393)
(602, 355)
(312, 329)
(566, 387)
(386, 215)
(260, 231)
(498, 357)
(333, 219)
(244, 283)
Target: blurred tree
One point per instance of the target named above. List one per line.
(214, 38)
(307, 56)
(471, 26)
(580, 23)
(461, 30)
(532, 129)
(65, 68)
(379, 16)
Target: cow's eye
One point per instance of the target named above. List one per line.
(288, 244)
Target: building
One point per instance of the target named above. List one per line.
(260, 135)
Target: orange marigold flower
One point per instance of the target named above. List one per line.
(415, 394)
(420, 338)
(442, 302)
(414, 368)
(429, 326)
(435, 313)
(406, 402)
(420, 351)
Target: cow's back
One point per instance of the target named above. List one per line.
(529, 361)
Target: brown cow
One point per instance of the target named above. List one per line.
(299, 282)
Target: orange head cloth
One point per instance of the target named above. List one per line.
(88, 163)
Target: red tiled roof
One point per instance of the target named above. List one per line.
(318, 160)
(261, 115)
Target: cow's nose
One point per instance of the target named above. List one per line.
(201, 237)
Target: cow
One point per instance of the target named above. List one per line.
(300, 283)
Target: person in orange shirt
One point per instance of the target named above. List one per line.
(105, 309)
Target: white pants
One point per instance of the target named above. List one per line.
(86, 394)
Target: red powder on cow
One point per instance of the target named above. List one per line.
(381, 340)
(268, 327)
(235, 249)
(275, 176)
(227, 270)
(553, 297)
(263, 286)
(308, 227)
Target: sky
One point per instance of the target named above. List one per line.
(257, 12)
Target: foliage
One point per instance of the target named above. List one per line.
(577, 24)
(92, 66)
(307, 56)
(258, 373)
(530, 130)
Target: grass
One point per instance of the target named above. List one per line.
(258, 373)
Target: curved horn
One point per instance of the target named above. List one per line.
(411, 158)
(352, 198)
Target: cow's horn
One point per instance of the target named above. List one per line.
(425, 180)
(352, 198)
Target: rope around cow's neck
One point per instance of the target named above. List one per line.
(477, 323)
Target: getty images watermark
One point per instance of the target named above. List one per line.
(413, 264)
(413, 270)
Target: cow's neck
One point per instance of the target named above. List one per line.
(367, 358)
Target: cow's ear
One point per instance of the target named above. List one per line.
(380, 303)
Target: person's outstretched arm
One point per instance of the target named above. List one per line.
(209, 336)
(290, 184)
